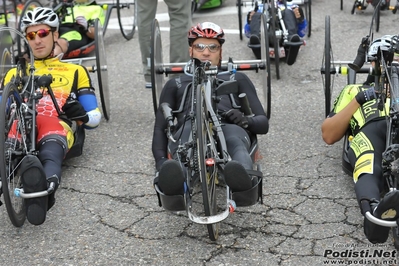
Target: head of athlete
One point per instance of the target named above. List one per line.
(205, 41)
(40, 27)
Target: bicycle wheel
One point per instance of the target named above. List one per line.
(156, 63)
(239, 7)
(342, 4)
(11, 153)
(327, 66)
(377, 18)
(276, 41)
(265, 59)
(193, 6)
(102, 70)
(206, 150)
(127, 17)
(309, 17)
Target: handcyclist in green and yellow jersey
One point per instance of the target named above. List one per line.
(77, 28)
(358, 109)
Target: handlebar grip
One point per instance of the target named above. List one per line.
(245, 108)
(358, 62)
(167, 113)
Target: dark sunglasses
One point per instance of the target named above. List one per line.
(41, 33)
(200, 47)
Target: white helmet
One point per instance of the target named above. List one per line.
(384, 44)
(38, 16)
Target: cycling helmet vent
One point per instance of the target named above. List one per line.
(207, 30)
(38, 16)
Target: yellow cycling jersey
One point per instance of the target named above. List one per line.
(90, 12)
(367, 112)
(67, 78)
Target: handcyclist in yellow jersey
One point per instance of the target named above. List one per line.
(77, 28)
(75, 96)
(357, 109)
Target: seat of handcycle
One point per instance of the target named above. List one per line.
(83, 51)
(79, 138)
(346, 166)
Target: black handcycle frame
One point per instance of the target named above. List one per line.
(205, 154)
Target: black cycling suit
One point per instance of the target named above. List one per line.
(238, 139)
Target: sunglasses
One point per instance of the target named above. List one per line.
(200, 47)
(41, 33)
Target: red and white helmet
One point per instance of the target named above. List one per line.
(207, 30)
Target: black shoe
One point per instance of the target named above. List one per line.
(386, 209)
(171, 178)
(254, 44)
(34, 180)
(293, 49)
(237, 177)
(254, 39)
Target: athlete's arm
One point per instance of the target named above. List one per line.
(335, 126)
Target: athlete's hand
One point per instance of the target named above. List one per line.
(365, 96)
(82, 22)
(74, 110)
(235, 116)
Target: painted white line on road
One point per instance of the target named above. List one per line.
(162, 17)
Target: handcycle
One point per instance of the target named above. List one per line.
(204, 154)
(386, 82)
(95, 50)
(18, 133)
(361, 5)
(276, 28)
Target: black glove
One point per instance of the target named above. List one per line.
(74, 110)
(361, 54)
(365, 96)
(236, 117)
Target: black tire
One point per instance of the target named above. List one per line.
(327, 66)
(127, 17)
(265, 58)
(309, 17)
(239, 7)
(10, 115)
(102, 70)
(208, 174)
(156, 62)
(377, 18)
(276, 41)
(342, 4)
(193, 6)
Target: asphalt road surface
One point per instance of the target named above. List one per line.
(107, 212)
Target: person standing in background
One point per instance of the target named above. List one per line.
(180, 22)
